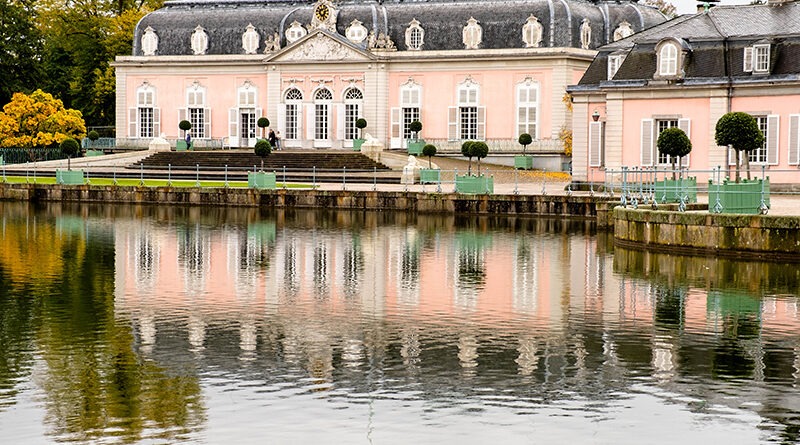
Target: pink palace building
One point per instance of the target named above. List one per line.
(688, 72)
(468, 70)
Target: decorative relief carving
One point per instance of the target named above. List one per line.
(623, 30)
(380, 42)
(586, 34)
(356, 32)
(273, 43)
(324, 16)
(321, 47)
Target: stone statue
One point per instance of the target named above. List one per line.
(623, 30)
(273, 43)
(586, 34)
(371, 40)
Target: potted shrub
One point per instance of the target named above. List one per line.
(415, 145)
(523, 161)
(261, 179)
(93, 137)
(361, 124)
(739, 131)
(184, 144)
(69, 147)
(430, 174)
(674, 143)
(469, 183)
(262, 123)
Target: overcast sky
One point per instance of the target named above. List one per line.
(690, 6)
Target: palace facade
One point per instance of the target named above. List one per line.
(467, 70)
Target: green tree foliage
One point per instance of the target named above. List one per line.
(361, 124)
(416, 127)
(262, 149)
(740, 131)
(20, 48)
(674, 143)
(466, 150)
(70, 148)
(262, 123)
(185, 126)
(429, 150)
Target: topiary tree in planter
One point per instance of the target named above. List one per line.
(480, 150)
(93, 136)
(740, 131)
(674, 143)
(429, 150)
(185, 126)
(466, 150)
(262, 149)
(69, 147)
(524, 139)
(262, 123)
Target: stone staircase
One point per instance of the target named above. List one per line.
(296, 165)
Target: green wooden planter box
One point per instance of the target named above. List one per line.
(180, 145)
(430, 176)
(670, 190)
(69, 177)
(415, 146)
(2, 162)
(744, 197)
(90, 153)
(475, 184)
(261, 180)
(357, 144)
(523, 162)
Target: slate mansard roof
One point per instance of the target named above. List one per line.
(502, 20)
(715, 42)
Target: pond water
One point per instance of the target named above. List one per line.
(165, 325)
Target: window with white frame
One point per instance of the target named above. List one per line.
(759, 155)
(250, 40)
(410, 103)
(668, 59)
(415, 35)
(761, 58)
(322, 104)
(353, 100)
(295, 32)
(196, 112)
(527, 108)
(294, 100)
(614, 62)
(145, 118)
(468, 111)
(661, 125)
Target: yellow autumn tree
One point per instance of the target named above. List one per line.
(38, 120)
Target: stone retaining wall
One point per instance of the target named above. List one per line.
(702, 232)
(556, 205)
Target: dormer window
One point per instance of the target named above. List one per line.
(668, 60)
(614, 62)
(415, 36)
(756, 58)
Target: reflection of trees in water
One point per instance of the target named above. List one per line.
(471, 268)
(669, 306)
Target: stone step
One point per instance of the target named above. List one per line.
(246, 159)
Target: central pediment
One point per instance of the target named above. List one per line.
(321, 46)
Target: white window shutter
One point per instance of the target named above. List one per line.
(794, 139)
(310, 121)
(300, 123)
(339, 121)
(452, 123)
(686, 126)
(132, 121)
(647, 142)
(748, 60)
(282, 119)
(731, 156)
(481, 123)
(181, 114)
(156, 122)
(207, 122)
(773, 122)
(396, 135)
(233, 127)
(595, 144)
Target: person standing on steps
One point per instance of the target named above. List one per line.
(272, 139)
(188, 141)
(277, 140)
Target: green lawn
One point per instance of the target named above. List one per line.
(129, 182)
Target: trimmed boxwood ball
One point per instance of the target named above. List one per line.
(262, 122)
(262, 149)
(185, 125)
(480, 150)
(524, 139)
(429, 150)
(740, 131)
(69, 147)
(93, 135)
(674, 142)
(361, 123)
(415, 127)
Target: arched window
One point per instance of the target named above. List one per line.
(353, 103)
(295, 32)
(293, 102)
(322, 114)
(528, 108)
(250, 40)
(145, 117)
(668, 60)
